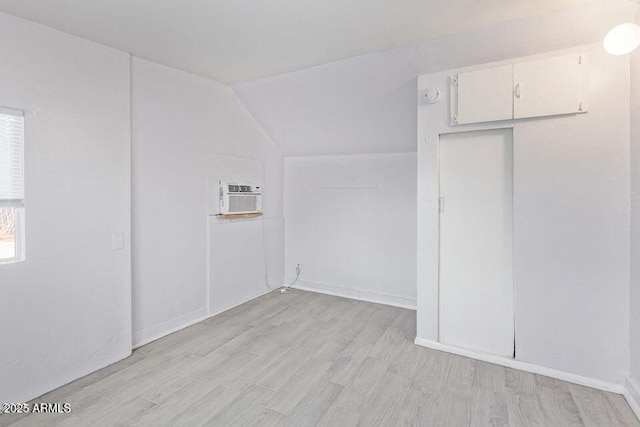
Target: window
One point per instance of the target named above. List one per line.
(11, 185)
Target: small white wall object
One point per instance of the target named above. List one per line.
(431, 95)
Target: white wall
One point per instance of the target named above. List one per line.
(356, 106)
(179, 121)
(66, 309)
(350, 222)
(570, 225)
(366, 104)
(634, 319)
(75, 94)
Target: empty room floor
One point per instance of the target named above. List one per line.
(305, 359)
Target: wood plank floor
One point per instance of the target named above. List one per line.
(307, 359)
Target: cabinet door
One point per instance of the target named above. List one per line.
(484, 95)
(548, 87)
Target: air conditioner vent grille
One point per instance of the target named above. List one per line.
(243, 203)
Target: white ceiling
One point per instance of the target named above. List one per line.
(240, 40)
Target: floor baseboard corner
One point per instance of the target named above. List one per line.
(357, 294)
(632, 395)
(524, 366)
(167, 328)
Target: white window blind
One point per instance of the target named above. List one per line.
(11, 158)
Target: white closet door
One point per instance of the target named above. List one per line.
(548, 87)
(485, 95)
(476, 241)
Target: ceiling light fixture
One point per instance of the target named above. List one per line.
(622, 39)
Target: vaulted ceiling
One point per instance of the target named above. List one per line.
(367, 104)
(240, 40)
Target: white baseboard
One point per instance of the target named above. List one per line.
(359, 294)
(523, 366)
(167, 328)
(632, 395)
(76, 375)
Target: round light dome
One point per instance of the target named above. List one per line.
(622, 39)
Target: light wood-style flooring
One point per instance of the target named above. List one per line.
(307, 359)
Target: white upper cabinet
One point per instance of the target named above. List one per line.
(540, 88)
(548, 87)
(485, 95)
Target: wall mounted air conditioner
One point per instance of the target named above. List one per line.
(239, 198)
